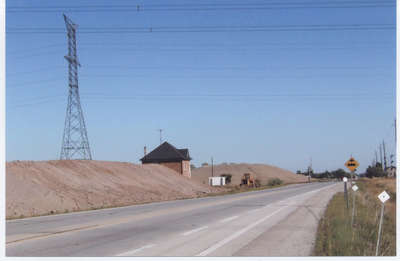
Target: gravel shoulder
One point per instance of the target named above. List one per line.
(294, 235)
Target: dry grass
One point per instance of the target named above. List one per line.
(336, 237)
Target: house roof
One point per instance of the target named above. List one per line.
(166, 153)
(184, 152)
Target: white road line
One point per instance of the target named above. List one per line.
(254, 210)
(129, 253)
(194, 231)
(238, 233)
(228, 219)
(285, 201)
(296, 196)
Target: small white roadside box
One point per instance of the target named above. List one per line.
(216, 181)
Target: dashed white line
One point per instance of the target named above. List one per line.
(194, 231)
(132, 252)
(238, 233)
(254, 210)
(228, 219)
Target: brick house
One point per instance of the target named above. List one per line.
(170, 157)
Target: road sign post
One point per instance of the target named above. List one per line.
(352, 165)
(354, 188)
(345, 192)
(383, 197)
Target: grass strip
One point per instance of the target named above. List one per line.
(336, 236)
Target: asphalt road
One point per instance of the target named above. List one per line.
(275, 222)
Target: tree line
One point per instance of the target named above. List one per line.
(336, 174)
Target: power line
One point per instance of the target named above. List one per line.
(213, 4)
(211, 96)
(17, 85)
(225, 45)
(214, 31)
(149, 46)
(199, 29)
(200, 68)
(240, 68)
(194, 98)
(202, 7)
(205, 27)
(196, 49)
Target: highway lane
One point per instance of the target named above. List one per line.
(213, 226)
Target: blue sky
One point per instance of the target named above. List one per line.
(274, 97)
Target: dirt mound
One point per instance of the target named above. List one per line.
(260, 171)
(42, 187)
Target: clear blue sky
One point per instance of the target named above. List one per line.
(274, 97)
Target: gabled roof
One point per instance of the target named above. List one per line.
(166, 153)
(184, 152)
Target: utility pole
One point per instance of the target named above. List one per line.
(381, 156)
(75, 143)
(212, 167)
(384, 154)
(160, 130)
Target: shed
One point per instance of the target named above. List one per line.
(216, 181)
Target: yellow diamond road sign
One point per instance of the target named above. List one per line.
(352, 164)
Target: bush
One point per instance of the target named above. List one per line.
(376, 171)
(274, 182)
(257, 183)
(228, 178)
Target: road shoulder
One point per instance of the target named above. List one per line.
(294, 235)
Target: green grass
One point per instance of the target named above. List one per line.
(336, 236)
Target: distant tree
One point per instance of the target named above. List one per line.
(339, 174)
(327, 174)
(192, 166)
(298, 172)
(376, 171)
(204, 164)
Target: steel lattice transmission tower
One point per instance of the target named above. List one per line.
(75, 143)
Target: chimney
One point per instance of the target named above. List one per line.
(145, 151)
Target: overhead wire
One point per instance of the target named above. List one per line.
(199, 7)
(202, 7)
(199, 29)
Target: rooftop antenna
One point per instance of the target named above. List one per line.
(160, 130)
